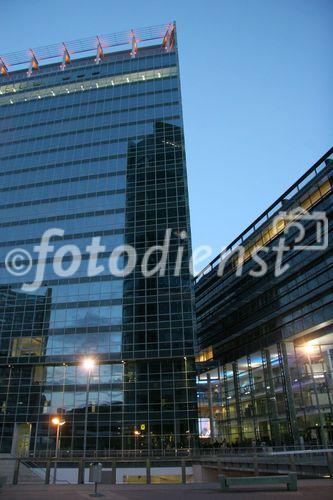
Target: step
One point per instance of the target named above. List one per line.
(26, 474)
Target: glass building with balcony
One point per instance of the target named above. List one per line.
(265, 368)
(96, 149)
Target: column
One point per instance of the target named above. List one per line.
(210, 406)
(237, 400)
(271, 398)
(289, 393)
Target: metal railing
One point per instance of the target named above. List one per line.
(310, 461)
(179, 453)
(85, 45)
(120, 454)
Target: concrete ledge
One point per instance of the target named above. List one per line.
(290, 480)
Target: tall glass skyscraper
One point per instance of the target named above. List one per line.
(92, 153)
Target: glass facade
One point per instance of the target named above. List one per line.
(96, 150)
(265, 372)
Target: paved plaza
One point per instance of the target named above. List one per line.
(308, 488)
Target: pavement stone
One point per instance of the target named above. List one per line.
(321, 489)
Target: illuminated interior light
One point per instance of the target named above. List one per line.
(159, 74)
(309, 348)
(14, 90)
(11, 102)
(100, 83)
(82, 87)
(39, 97)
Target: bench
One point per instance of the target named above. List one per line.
(290, 480)
(3, 480)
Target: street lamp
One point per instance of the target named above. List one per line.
(58, 423)
(88, 364)
(137, 435)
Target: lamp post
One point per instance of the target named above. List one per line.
(88, 364)
(58, 423)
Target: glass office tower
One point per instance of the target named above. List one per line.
(265, 372)
(95, 149)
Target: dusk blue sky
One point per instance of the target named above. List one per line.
(257, 79)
